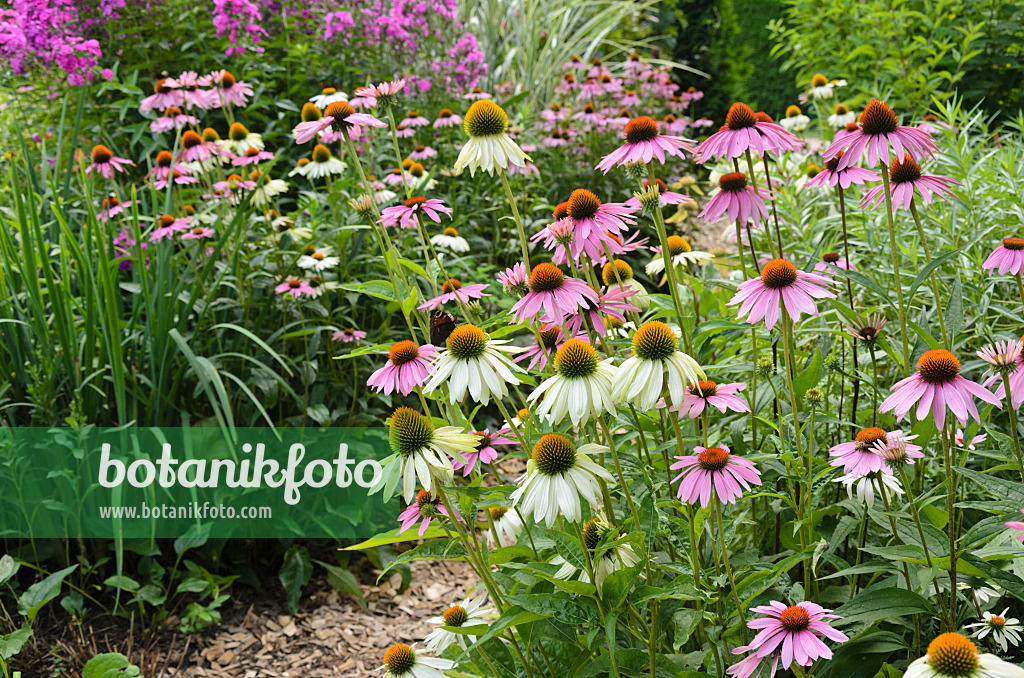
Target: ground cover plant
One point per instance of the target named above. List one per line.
(762, 373)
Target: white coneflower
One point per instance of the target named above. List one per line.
(556, 476)
(507, 524)
(617, 557)
(322, 164)
(822, 88)
(266, 189)
(422, 452)
(240, 139)
(679, 251)
(489, 147)
(842, 117)
(581, 387)
(952, 655)
(451, 240)
(618, 271)
(327, 96)
(403, 661)
(863, 487)
(795, 120)
(475, 363)
(467, 613)
(655, 351)
(1002, 628)
(317, 259)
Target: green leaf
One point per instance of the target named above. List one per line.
(1002, 489)
(295, 573)
(1013, 584)
(929, 267)
(516, 615)
(40, 593)
(12, 643)
(867, 282)
(8, 567)
(392, 537)
(875, 605)
(955, 309)
(109, 665)
(343, 580)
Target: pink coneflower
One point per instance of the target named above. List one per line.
(408, 366)
(960, 439)
(172, 118)
(451, 290)
(252, 156)
(295, 287)
(422, 510)
(476, 94)
(422, 153)
(551, 292)
(514, 280)
(233, 183)
(1016, 525)
(1005, 356)
(527, 169)
(163, 172)
(341, 117)
(629, 98)
(879, 127)
(348, 335)
(485, 454)
(556, 139)
(590, 116)
(446, 118)
(590, 89)
(612, 305)
(644, 142)
(791, 632)
(198, 233)
(188, 83)
(227, 91)
(708, 393)
(593, 222)
(832, 176)
(195, 149)
(106, 163)
(666, 196)
(165, 95)
(780, 281)
(111, 207)
(737, 200)
(742, 131)
(384, 93)
(832, 259)
(404, 215)
(937, 384)
(549, 339)
(861, 457)
(168, 226)
(714, 468)
(1007, 258)
(414, 119)
(906, 178)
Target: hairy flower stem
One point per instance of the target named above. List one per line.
(946, 436)
(728, 567)
(894, 250)
(618, 470)
(775, 215)
(1010, 410)
(753, 184)
(849, 292)
(915, 513)
(906, 569)
(589, 561)
(670, 274)
(398, 153)
(1020, 286)
(518, 220)
(788, 350)
(933, 277)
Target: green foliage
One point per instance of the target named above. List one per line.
(907, 52)
(110, 665)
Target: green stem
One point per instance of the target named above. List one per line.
(947, 456)
(933, 277)
(728, 566)
(518, 219)
(894, 250)
(670, 274)
(1010, 410)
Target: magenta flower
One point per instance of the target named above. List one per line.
(422, 153)
(198, 233)
(404, 216)
(552, 337)
(831, 259)
(341, 117)
(666, 196)
(832, 176)
(485, 454)
(422, 510)
(644, 142)
(612, 303)
(743, 130)
(194, 149)
(386, 91)
(408, 366)
(714, 468)
(936, 385)
(105, 162)
(791, 633)
(879, 127)
(1007, 258)
(737, 200)
(592, 225)
(253, 156)
(1016, 525)
(165, 95)
(172, 118)
(167, 226)
(960, 440)
(704, 393)
(451, 290)
(1005, 355)
(188, 83)
(446, 118)
(348, 335)
(295, 287)
(559, 297)
(906, 179)
(112, 207)
(227, 91)
(780, 280)
(861, 456)
(514, 280)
